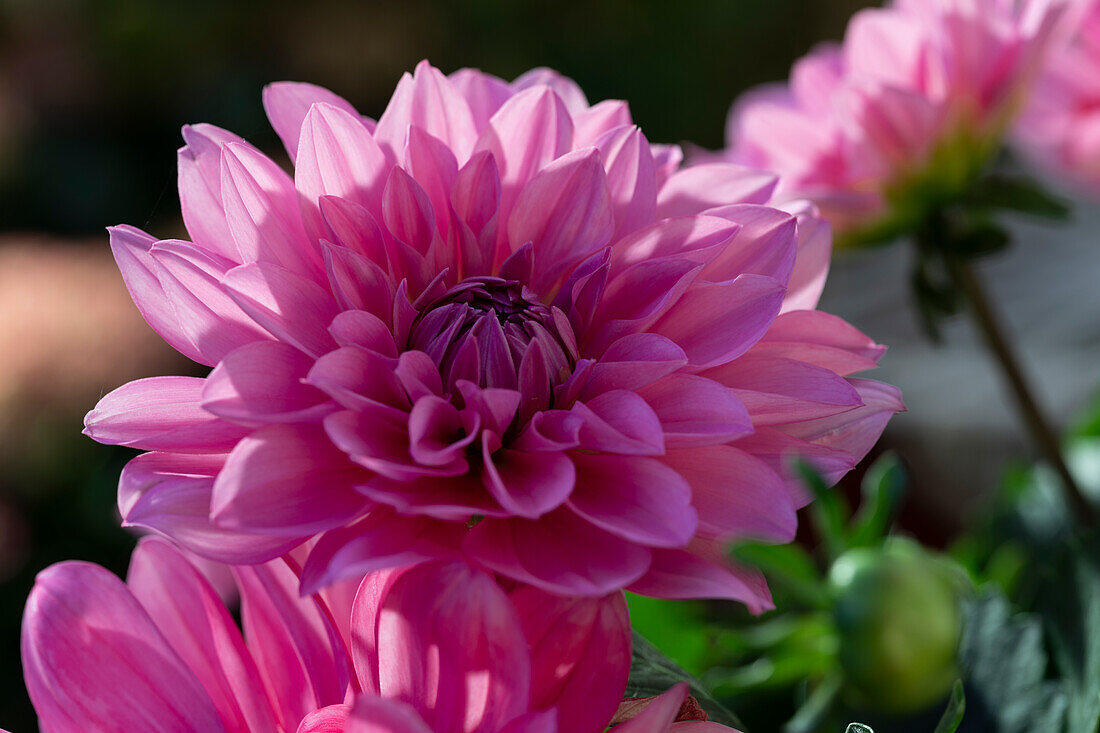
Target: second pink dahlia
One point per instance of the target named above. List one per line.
(497, 323)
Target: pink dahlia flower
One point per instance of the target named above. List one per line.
(161, 652)
(1060, 127)
(497, 324)
(914, 101)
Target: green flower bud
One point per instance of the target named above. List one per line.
(898, 616)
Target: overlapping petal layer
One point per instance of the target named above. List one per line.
(499, 324)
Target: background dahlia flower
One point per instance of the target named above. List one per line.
(161, 652)
(912, 104)
(1060, 127)
(498, 324)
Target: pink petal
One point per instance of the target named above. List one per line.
(632, 362)
(569, 91)
(542, 722)
(428, 100)
(263, 383)
(684, 574)
(599, 119)
(716, 322)
(631, 178)
(161, 413)
(200, 187)
(372, 714)
(433, 165)
(290, 307)
(337, 156)
(407, 211)
(357, 378)
(695, 189)
(354, 227)
(191, 278)
(192, 618)
(620, 422)
(286, 480)
(696, 411)
(526, 483)
(735, 494)
(296, 653)
(130, 247)
(459, 616)
(261, 207)
(170, 493)
(565, 212)
(383, 539)
(765, 245)
(822, 339)
(784, 390)
(483, 92)
(93, 659)
(560, 553)
(811, 267)
(580, 655)
(701, 238)
(287, 103)
(329, 719)
(358, 283)
(639, 499)
(658, 716)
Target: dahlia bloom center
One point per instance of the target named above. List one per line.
(486, 329)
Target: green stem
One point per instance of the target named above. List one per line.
(964, 277)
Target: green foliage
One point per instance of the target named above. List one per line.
(652, 673)
(1006, 663)
(678, 628)
(956, 708)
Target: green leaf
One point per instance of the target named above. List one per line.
(1071, 610)
(828, 511)
(883, 488)
(1019, 194)
(979, 239)
(956, 707)
(677, 628)
(652, 673)
(1006, 664)
(817, 707)
(788, 567)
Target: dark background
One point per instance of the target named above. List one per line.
(92, 96)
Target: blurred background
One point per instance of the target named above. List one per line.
(92, 96)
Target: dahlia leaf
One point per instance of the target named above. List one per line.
(883, 487)
(1019, 194)
(1006, 663)
(1071, 610)
(652, 673)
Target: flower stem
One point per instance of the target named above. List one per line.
(1044, 437)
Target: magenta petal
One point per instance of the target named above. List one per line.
(697, 188)
(262, 383)
(261, 207)
(560, 553)
(593, 123)
(372, 714)
(526, 133)
(430, 101)
(130, 247)
(639, 499)
(735, 494)
(192, 618)
(450, 498)
(811, 267)
(567, 89)
(778, 450)
(457, 615)
(286, 480)
(580, 655)
(694, 411)
(683, 574)
(357, 377)
(357, 282)
(658, 716)
(170, 493)
(565, 212)
(765, 245)
(200, 188)
(380, 541)
(526, 483)
(365, 330)
(83, 669)
(290, 307)
(717, 322)
(287, 103)
(700, 238)
(779, 390)
(477, 190)
(408, 212)
(336, 156)
(483, 92)
(299, 660)
(632, 362)
(329, 719)
(433, 165)
(822, 339)
(620, 422)
(631, 178)
(191, 278)
(540, 722)
(377, 438)
(161, 413)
